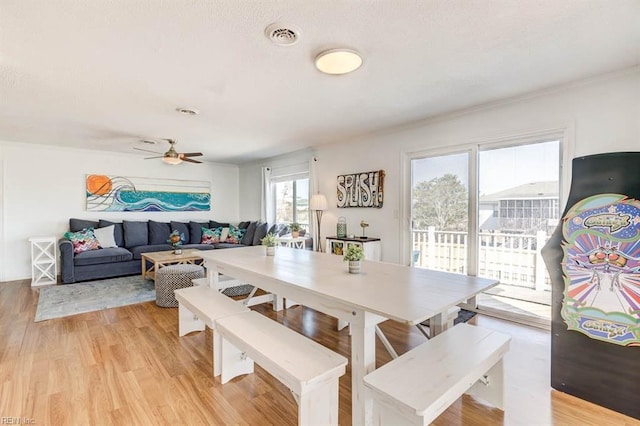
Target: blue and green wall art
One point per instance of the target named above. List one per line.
(135, 194)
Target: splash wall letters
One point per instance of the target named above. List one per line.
(361, 189)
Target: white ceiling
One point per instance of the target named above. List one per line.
(103, 74)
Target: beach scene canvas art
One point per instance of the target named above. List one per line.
(135, 194)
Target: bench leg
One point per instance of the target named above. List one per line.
(234, 362)
(493, 390)
(187, 321)
(217, 354)
(319, 406)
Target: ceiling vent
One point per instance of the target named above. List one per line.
(282, 35)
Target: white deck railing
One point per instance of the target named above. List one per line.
(512, 259)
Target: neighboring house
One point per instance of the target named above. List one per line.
(523, 209)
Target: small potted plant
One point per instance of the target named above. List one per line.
(270, 241)
(295, 229)
(175, 240)
(354, 254)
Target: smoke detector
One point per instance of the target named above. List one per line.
(282, 35)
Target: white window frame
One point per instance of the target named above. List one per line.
(287, 178)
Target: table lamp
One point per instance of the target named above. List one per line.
(318, 203)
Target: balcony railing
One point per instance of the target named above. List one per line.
(514, 259)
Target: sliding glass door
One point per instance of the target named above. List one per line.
(487, 212)
(519, 208)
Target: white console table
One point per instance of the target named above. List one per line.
(43, 261)
(371, 246)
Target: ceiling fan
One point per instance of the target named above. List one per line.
(172, 156)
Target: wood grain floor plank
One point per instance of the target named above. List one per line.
(129, 366)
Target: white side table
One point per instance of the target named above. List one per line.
(371, 246)
(43, 261)
(289, 241)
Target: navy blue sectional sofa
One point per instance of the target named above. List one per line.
(136, 237)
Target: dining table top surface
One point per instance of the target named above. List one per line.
(405, 294)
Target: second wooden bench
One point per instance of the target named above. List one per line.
(307, 368)
(418, 386)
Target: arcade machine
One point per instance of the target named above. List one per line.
(593, 258)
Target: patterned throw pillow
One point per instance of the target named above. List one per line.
(235, 235)
(83, 240)
(211, 236)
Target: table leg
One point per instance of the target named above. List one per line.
(363, 361)
(277, 303)
(213, 276)
(438, 324)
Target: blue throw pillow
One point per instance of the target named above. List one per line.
(158, 232)
(135, 233)
(195, 231)
(213, 224)
(76, 225)
(258, 235)
(247, 238)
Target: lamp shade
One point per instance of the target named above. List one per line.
(318, 202)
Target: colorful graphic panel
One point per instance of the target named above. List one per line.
(128, 194)
(602, 269)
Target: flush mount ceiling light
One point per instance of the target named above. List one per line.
(338, 61)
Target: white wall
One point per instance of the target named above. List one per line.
(41, 187)
(598, 116)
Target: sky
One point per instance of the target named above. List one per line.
(500, 168)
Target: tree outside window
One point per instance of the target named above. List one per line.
(441, 202)
(292, 201)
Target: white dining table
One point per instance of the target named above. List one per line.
(321, 281)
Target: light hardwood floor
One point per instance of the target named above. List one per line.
(128, 366)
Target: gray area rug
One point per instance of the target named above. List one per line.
(71, 299)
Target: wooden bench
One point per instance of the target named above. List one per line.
(201, 305)
(418, 386)
(307, 368)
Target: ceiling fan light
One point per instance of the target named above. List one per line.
(172, 160)
(338, 61)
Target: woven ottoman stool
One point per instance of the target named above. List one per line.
(173, 277)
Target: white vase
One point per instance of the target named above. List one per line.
(177, 251)
(354, 266)
(271, 250)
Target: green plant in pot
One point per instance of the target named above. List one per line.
(354, 254)
(270, 241)
(295, 229)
